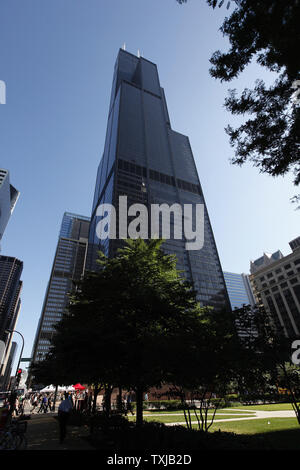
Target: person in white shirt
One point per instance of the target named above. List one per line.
(64, 411)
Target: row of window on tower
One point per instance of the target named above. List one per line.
(157, 176)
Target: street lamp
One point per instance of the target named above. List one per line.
(11, 332)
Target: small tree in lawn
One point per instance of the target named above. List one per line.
(266, 352)
(207, 365)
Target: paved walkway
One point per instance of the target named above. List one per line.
(43, 434)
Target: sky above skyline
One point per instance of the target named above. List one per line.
(57, 61)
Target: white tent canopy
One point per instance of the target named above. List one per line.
(60, 388)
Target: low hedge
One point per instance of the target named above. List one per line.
(160, 405)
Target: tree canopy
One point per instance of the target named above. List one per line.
(266, 31)
(136, 324)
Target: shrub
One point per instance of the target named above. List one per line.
(161, 405)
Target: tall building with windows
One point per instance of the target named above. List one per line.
(8, 198)
(10, 302)
(239, 289)
(276, 284)
(10, 289)
(68, 266)
(150, 163)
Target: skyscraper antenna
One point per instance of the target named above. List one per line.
(138, 53)
(124, 47)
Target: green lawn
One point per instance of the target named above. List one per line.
(178, 418)
(273, 407)
(220, 411)
(271, 434)
(257, 426)
(266, 433)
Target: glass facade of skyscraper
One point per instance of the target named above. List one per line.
(147, 161)
(8, 199)
(68, 266)
(10, 289)
(10, 304)
(239, 289)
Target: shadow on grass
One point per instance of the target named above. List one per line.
(156, 436)
(288, 439)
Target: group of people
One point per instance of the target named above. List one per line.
(42, 403)
(37, 402)
(15, 404)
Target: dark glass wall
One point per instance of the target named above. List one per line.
(150, 163)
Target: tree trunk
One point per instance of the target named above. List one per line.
(55, 397)
(139, 406)
(92, 421)
(290, 388)
(96, 391)
(119, 402)
(107, 400)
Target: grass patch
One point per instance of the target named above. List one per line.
(258, 426)
(220, 411)
(272, 407)
(170, 418)
(280, 434)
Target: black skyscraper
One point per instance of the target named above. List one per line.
(10, 289)
(150, 163)
(10, 303)
(68, 266)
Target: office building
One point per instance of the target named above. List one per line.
(239, 289)
(8, 198)
(7, 369)
(68, 266)
(150, 163)
(10, 289)
(10, 302)
(275, 280)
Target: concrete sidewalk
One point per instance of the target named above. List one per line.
(43, 434)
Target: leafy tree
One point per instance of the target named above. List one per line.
(127, 322)
(45, 372)
(266, 31)
(207, 365)
(155, 309)
(264, 355)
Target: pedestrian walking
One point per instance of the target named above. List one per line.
(44, 405)
(34, 403)
(64, 411)
(21, 402)
(50, 403)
